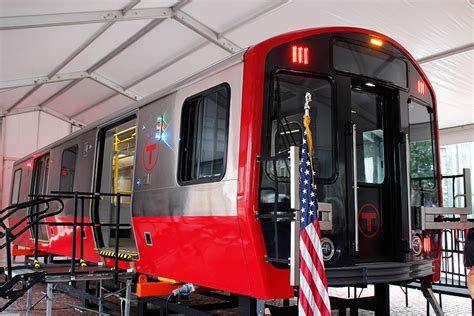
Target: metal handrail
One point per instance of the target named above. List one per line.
(10, 236)
(20, 206)
(39, 216)
(76, 195)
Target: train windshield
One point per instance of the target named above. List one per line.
(286, 119)
(422, 155)
(371, 63)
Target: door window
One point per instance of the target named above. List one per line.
(422, 158)
(287, 118)
(68, 169)
(40, 187)
(204, 132)
(367, 115)
(16, 187)
(282, 128)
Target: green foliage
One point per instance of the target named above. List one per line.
(421, 159)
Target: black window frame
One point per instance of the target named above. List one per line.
(394, 52)
(385, 150)
(19, 186)
(334, 142)
(197, 99)
(430, 111)
(75, 165)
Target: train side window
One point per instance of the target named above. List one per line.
(16, 186)
(422, 154)
(68, 169)
(204, 133)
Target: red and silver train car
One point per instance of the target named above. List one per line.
(205, 164)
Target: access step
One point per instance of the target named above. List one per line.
(125, 255)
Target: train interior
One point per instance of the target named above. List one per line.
(116, 176)
(284, 129)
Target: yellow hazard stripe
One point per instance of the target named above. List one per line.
(121, 255)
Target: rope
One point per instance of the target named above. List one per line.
(309, 136)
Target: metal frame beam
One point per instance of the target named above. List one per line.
(206, 32)
(66, 61)
(45, 110)
(43, 79)
(120, 15)
(114, 86)
(258, 14)
(61, 19)
(446, 53)
(76, 52)
(79, 75)
(148, 75)
(135, 37)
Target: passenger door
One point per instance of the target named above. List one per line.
(39, 186)
(373, 126)
(115, 167)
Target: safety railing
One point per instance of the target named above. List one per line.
(453, 272)
(39, 208)
(453, 219)
(33, 219)
(433, 217)
(80, 199)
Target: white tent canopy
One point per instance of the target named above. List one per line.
(83, 59)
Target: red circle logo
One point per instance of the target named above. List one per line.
(369, 220)
(150, 152)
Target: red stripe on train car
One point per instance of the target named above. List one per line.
(204, 250)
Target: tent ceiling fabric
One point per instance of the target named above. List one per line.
(134, 58)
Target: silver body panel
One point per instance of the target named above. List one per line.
(159, 193)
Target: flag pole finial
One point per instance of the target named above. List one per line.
(306, 104)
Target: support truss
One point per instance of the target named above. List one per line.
(206, 32)
(114, 86)
(37, 81)
(256, 15)
(156, 15)
(48, 20)
(43, 79)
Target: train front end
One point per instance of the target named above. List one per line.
(374, 125)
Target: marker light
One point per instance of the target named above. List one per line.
(370, 84)
(300, 55)
(420, 87)
(427, 244)
(29, 164)
(376, 42)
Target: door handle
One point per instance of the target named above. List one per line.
(354, 186)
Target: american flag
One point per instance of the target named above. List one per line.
(313, 291)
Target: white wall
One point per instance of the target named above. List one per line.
(22, 134)
(456, 135)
